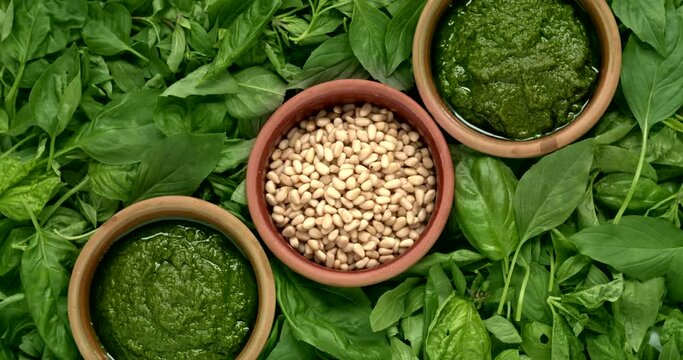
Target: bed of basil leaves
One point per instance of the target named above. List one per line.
(575, 255)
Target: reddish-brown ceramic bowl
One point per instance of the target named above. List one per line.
(607, 32)
(165, 208)
(326, 96)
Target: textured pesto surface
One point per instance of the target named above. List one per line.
(174, 290)
(516, 68)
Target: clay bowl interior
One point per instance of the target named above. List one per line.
(326, 96)
(605, 28)
(167, 208)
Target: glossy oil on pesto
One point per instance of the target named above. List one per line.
(174, 290)
(514, 68)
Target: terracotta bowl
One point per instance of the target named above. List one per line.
(326, 96)
(165, 208)
(607, 32)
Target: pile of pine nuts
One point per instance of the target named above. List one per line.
(351, 188)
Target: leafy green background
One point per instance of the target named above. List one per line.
(575, 255)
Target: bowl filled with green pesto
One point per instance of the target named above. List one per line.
(517, 78)
(171, 278)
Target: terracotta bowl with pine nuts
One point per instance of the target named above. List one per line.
(350, 183)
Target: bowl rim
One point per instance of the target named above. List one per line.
(325, 96)
(150, 211)
(605, 26)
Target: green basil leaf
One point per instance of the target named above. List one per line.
(437, 291)
(123, 131)
(45, 278)
(7, 21)
(672, 330)
(195, 84)
(413, 331)
(367, 35)
(235, 152)
(57, 93)
(612, 128)
(4, 121)
(638, 246)
(608, 346)
(28, 196)
(15, 318)
(401, 351)
(571, 267)
(509, 354)
(502, 329)
(289, 348)
(537, 340)
(107, 30)
(30, 29)
(261, 92)
(242, 33)
(638, 307)
(415, 300)
(112, 181)
(647, 19)
(178, 45)
(549, 192)
(653, 83)
(484, 194)
(333, 320)
(535, 292)
(587, 213)
(565, 345)
(13, 170)
(461, 257)
(391, 305)
(400, 32)
(670, 352)
(333, 59)
(127, 76)
(194, 115)
(177, 165)
(457, 332)
(596, 295)
(613, 159)
(612, 189)
(10, 236)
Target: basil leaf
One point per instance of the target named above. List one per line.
(638, 246)
(502, 329)
(177, 165)
(367, 35)
(608, 346)
(333, 59)
(612, 189)
(612, 128)
(289, 348)
(457, 332)
(45, 277)
(647, 19)
(260, 93)
(10, 237)
(194, 115)
(672, 330)
(413, 331)
(400, 32)
(28, 196)
(400, 351)
(484, 194)
(415, 300)
(30, 29)
(123, 131)
(613, 159)
(565, 345)
(178, 45)
(571, 267)
(333, 320)
(461, 257)
(549, 192)
(509, 354)
(670, 352)
(127, 76)
(638, 307)
(596, 295)
(242, 33)
(653, 83)
(195, 84)
(391, 305)
(107, 30)
(57, 92)
(537, 340)
(112, 181)
(235, 152)
(437, 291)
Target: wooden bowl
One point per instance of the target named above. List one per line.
(326, 96)
(164, 208)
(610, 53)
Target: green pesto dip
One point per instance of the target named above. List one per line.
(515, 68)
(174, 290)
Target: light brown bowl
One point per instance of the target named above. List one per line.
(310, 102)
(165, 208)
(610, 53)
